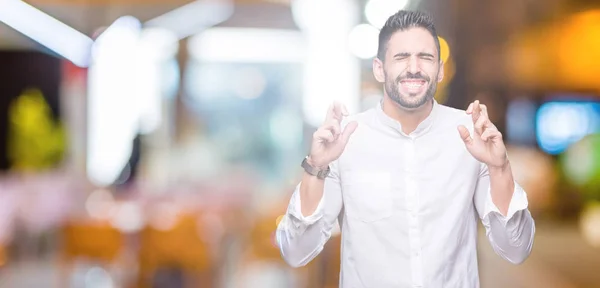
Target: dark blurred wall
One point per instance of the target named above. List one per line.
(20, 70)
(483, 29)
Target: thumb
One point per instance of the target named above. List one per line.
(465, 135)
(350, 128)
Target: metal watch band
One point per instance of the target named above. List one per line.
(321, 174)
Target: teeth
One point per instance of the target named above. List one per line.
(413, 85)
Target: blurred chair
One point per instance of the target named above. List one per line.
(96, 241)
(261, 250)
(179, 248)
(3, 256)
(262, 242)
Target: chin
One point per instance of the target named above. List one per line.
(412, 102)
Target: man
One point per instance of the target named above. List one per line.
(407, 180)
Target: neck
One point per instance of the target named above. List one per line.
(408, 118)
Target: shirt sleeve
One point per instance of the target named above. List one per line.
(295, 208)
(510, 235)
(302, 238)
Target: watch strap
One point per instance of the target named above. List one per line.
(319, 173)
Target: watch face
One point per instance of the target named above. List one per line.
(324, 173)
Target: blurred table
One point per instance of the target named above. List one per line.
(560, 259)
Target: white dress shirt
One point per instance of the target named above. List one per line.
(408, 207)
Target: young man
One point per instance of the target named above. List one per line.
(407, 180)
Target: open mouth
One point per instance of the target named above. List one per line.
(413, 86)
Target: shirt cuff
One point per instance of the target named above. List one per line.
(295, 211)
(518, 202)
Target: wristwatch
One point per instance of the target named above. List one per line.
(321, 174)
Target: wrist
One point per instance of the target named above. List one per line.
(499, 169)
(316, 165)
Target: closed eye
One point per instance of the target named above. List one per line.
(401, 56)
(426, 56)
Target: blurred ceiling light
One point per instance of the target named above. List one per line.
(378, 11)
(331, 72)
(156, 48)
(46, 30)
(113, 118)
(125, 92)
(125, 30)
(193, 17)
(307, 15)
(158, 43)
(363, 41)
(247, 45)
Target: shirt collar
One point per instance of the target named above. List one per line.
(421, 129)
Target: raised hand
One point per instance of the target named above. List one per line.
(486, 145)
(329, 141)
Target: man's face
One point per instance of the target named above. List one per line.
(411, 68)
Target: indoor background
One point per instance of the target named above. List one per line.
(156, 143)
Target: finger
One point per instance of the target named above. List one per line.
(491, 134)
(465, 135)
(484, 110)
(338, 110)
(470, 108)
(476, 110)
(344, 110)
(481, 124)
(350, 128)
(333, 126)
(330, 113)
(324, 135)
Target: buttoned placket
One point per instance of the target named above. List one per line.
(412, 205)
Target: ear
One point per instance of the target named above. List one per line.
(378, 70)
(441, 72)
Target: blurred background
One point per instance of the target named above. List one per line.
(156, 143)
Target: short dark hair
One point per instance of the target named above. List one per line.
(404, 20)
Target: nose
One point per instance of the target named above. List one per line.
(413, 65)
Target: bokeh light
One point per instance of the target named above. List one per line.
(378, 11)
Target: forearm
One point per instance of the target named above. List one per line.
(502, 186)
(301, 237)
(311, 192)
